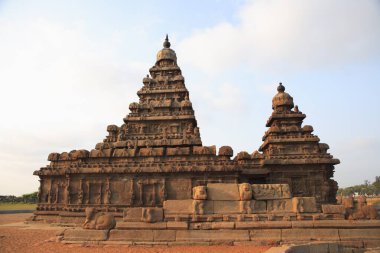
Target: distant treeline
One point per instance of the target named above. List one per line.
(367, 188)
(26, 198)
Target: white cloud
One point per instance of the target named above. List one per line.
(226, 97)
(60, 89)
(287, 35)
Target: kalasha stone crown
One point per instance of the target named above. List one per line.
(157, 156)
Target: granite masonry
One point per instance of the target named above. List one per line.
(152, 180)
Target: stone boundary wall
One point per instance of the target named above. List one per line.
(360, 233)
(361, 237)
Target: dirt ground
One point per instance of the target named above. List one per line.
(15, 236)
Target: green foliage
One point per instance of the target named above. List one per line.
(26, 198)
(30, 197)
(363, 189)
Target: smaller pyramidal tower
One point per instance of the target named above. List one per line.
(164, 115)
(294, 155)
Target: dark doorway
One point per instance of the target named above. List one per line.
(257, 180)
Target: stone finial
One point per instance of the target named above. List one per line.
(226, 151)
(166, 53)
(112, 128)
(243, 155)
(166, 42)
(281, 88)
(53, 157)
(282, 100)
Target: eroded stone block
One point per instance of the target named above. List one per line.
(79, 234)
(280, 205)
(333, 209)
(299, 234)
(219, 191)
(303, 224)
(304, 205)
(131, 235)
(186, 207)
(262, 224)
(179, 188)
(359, 234)
(212, 235)
(177, 225)
(347, 224)
(132, 214)
(202, 207)
(258, 206)
(178, 151)
(200, 225)
(178, 206)
(271, 191)
(237, 207)
(124, 152)
(204, 150)
(226, 207)
(140, 225)
(164, 235)
(151, 152)
(223, 225)
(151, 214)
(273, 235)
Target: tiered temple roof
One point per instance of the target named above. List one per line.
(164, 116)
(286, 139)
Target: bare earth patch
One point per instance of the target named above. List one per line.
(18, 237)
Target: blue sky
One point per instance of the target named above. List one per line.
(70, 68)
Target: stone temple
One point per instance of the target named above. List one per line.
(154, 170)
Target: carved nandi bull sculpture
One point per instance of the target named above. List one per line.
(99, 221)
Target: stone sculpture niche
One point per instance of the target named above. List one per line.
(245, 194)
(98, 221)
(199, 199)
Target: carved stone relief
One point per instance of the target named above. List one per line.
(271, 191)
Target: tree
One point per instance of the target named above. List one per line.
(30, 197)
(363, 189)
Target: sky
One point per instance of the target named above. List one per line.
(70, 68)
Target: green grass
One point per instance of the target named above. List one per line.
(17, 206)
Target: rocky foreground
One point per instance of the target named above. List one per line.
(16, 236)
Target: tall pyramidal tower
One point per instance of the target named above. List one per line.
(164, 116)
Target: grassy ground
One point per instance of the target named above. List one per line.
(17, 206)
